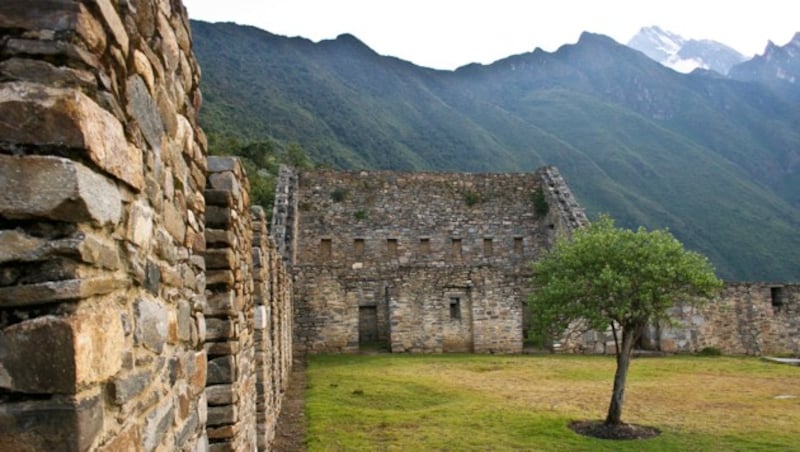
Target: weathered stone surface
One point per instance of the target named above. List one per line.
(225, 277)
(219, 164)
(223, 259)
(260, 317)
(128, 440)
(221, 370)
(50, 49)
(221, 395)
(51, 291)
(152, 278)
(185, 320)
(220, 198)
(174, 222)
(217, 237)
(46, 73)
(114, 23)
(220, 329)
(156, 424)
(218, 217)
(224, 181)
(69, 118)
(57, 355)
(197, 372)
(220, 415)
(151, 324)
(144, 109)
(125, 387)
(57, 15)
(54, 188)
(140, 224)
(59, 424)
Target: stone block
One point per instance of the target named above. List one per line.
(218, 164)
(16, 245)
(156, 424)
(219, 329)
(225, 277)
(140, 224)
(260, 318)
(221, 395)
(197, 372)
(222, 198)
(174, 222)
(125, 387)
(58, 424)
(34, 187)
(221, 415)
(219, 238)
(223, 258)
(151, 324)
(52, 291)
(68, 118)
(218, 217)
(45, 73)
(221, 370)
(144, 110)
(187, 433)
(114, 24)
(185, 320)
(224, 181)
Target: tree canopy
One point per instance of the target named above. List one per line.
(606, 277)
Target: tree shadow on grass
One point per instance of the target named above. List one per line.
(601, 430)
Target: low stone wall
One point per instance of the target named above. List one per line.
(745, 319)
(128, 293)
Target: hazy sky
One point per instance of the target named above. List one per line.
(445, 34)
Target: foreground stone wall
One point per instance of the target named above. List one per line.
(126, 323)
(419, 262)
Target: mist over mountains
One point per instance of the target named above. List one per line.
(713, 158)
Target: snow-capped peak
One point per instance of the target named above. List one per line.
(684, 55)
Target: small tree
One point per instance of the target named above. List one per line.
(606, 276)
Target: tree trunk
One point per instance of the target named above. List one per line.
(624, 353)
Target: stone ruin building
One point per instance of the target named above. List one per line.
(416, 262)
(440, 262)
(144, 305)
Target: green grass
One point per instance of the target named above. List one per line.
(471, 402)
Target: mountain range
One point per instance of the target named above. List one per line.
(685, 55)
(712, 158)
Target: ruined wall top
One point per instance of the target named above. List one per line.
(424, 217)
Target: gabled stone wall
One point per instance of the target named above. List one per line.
(418, 262)
(113, 292)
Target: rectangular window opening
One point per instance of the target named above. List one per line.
(488, 247)
(519, 245)
(455, 308)
(325, 249)
(776, 296)
(391, 247)
(424, 246)
(456, 248)
(358, 248)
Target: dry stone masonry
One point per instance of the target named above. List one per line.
(143, 303)
(132, 315)
(416, 262)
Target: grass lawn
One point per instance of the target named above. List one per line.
(485, 402)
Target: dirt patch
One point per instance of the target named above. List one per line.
(290, 434)
(599, 429)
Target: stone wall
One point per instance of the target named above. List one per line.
(419, 262)
(744, 319)
(116, 324)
